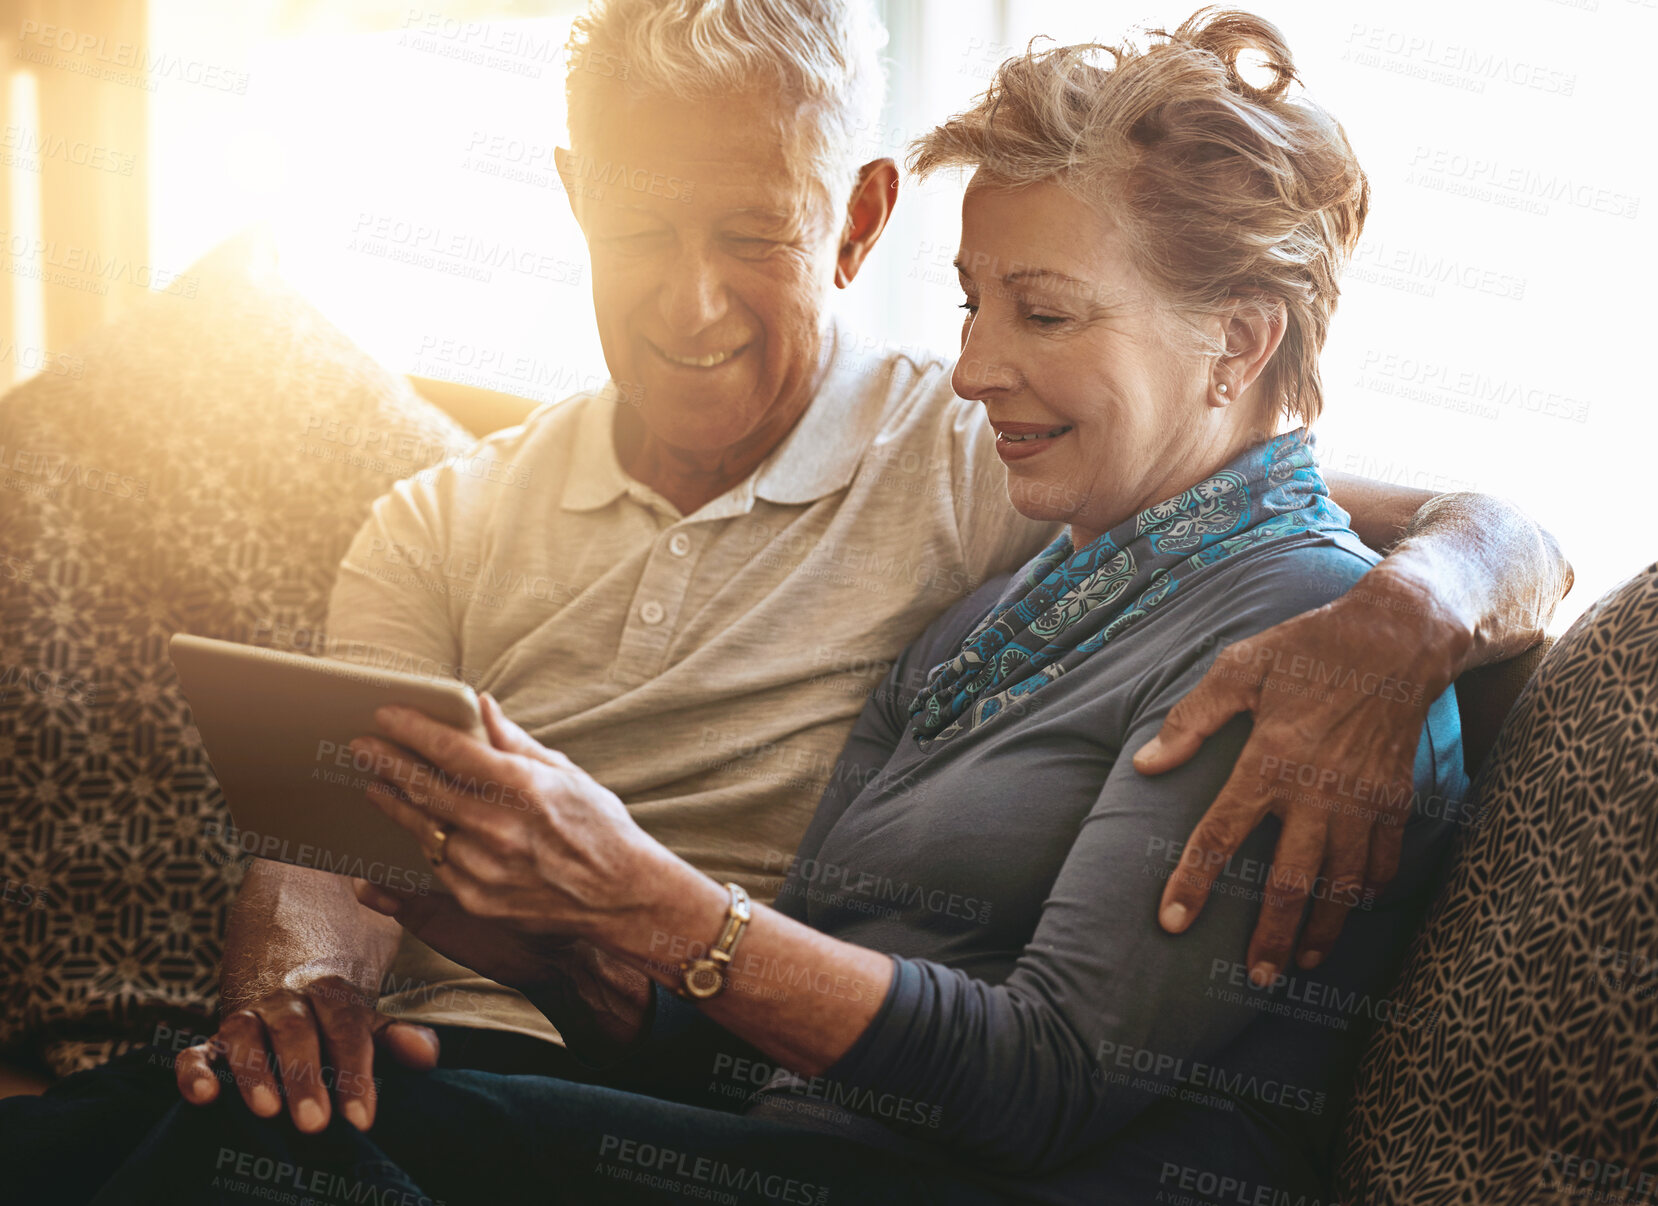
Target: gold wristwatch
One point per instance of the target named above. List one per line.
(705, 976)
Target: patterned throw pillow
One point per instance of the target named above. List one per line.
(1539, 1082)
(200, 465)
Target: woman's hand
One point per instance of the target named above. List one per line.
(519, 834)
(595, 999)
(540, 850)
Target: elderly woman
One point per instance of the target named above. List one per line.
(964, 991)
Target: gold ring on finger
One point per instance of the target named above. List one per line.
(440, 844)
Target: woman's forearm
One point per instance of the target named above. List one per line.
(801, 997)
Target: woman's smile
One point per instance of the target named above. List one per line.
(1017, 441)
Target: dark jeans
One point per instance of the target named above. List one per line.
(120, 1136)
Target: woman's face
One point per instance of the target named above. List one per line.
(1103, 402)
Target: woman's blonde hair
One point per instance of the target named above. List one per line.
(1224, 189)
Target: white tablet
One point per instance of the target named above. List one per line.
(278, 726)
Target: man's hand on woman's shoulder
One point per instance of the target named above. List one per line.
(1339, 696)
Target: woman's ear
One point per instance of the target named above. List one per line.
(866, 217)
(1253, 329)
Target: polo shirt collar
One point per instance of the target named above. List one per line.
(595, 478)
(821, 454)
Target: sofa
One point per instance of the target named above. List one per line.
(201, 464)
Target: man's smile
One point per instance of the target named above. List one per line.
(708, 361)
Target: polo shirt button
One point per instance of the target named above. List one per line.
(652, 612)
(679, 544)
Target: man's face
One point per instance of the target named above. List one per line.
(713, 253)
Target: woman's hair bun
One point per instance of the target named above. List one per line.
(1228, 35)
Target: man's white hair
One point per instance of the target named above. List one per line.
(820, 56)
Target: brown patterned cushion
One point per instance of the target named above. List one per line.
(1540, 1081)
(200, 466)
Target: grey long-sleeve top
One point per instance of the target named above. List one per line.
(1040, 1023)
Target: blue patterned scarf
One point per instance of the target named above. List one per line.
(1069, 602)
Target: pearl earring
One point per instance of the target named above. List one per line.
(1220, 388)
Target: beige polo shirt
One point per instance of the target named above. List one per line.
(707, 667)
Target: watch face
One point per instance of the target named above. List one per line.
(703, 980)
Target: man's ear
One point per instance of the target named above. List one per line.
(565, 162)
(866, 216)
(1253, 331)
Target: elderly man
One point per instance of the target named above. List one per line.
(723, 551)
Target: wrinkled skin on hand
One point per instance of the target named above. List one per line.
(1339, 697)
(312, 1043)
(524, 866)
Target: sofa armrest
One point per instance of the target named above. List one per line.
(1486, 695)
